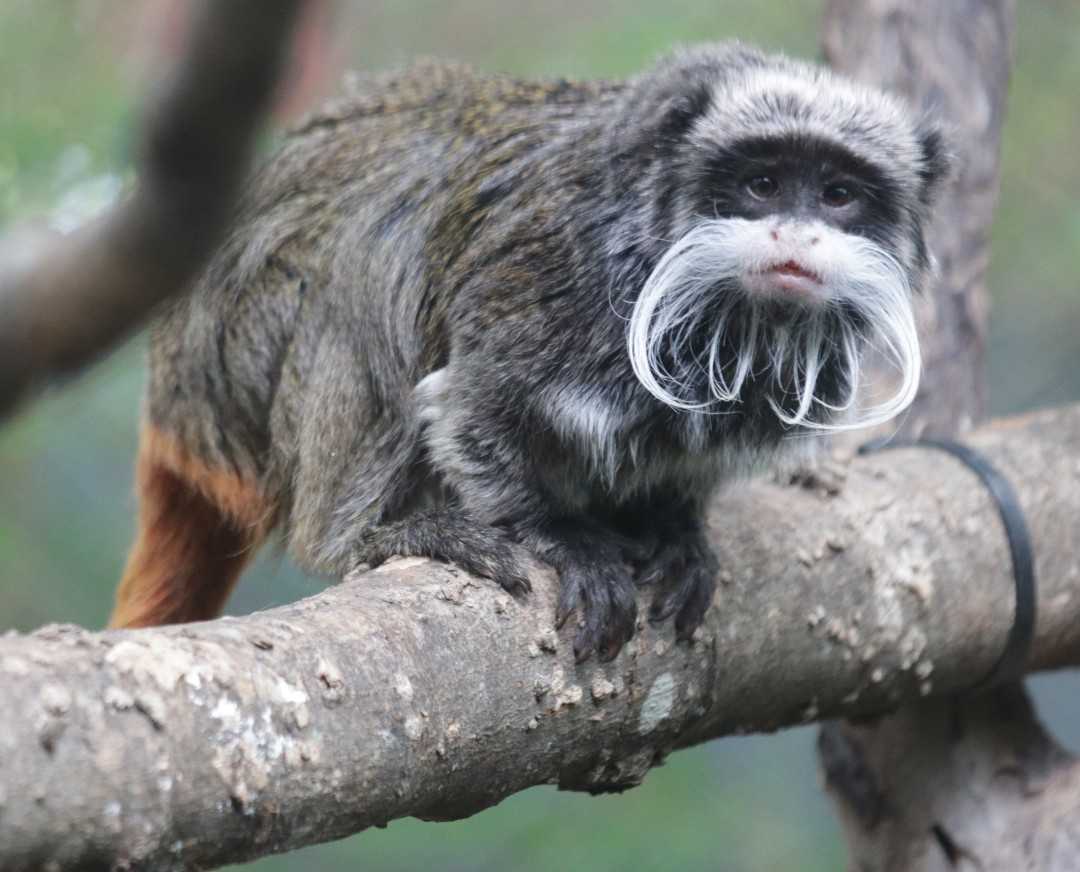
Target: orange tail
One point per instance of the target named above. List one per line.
(198, 528)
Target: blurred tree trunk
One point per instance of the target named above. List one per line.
(951, 59)
(972, 782)
(64, 302)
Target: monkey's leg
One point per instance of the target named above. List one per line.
(198, 527)
(507, 476)
(682, 567)
(362, 489)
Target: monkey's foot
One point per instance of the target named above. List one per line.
(595, 582)
(451, 537)
(684, 569)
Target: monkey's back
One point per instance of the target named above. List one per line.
(334, 276)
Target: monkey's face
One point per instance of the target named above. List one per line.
(793, 255)
(802, 200)
(786, 216)
(777, 290)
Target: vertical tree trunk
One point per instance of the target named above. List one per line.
(952, 59)
(972, 782)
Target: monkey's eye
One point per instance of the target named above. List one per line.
(838, 196)
(763, 187)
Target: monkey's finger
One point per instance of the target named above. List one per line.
(695, 606)
(692, 580)
(610, 613)
(501, 561)
(518, 586)
(663, 606)
(510, 571)
(569, 597)
(621, 623)
(669, 563)
(595, 608)
(584, 644)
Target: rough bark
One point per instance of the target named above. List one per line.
(971, 782)
(417, 690)
(65, 301)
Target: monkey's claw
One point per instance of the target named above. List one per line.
(595, 584)
(685, 571)
(603, 597)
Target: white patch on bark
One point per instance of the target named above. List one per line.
(158, 661)
(403, 687)
(602, 689)
(658, 703)
(572, 695)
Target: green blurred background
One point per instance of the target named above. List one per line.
(68, 70)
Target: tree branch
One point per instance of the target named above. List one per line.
(65, 301)
(417, 690)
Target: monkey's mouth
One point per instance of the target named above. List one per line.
(789, 279)
(796, 269)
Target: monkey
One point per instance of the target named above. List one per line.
(492, 321)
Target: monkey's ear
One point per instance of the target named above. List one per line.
(936, 160)
(679, 112)
(657, 120)
(661, 106)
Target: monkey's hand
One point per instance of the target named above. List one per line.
(596, 582)
(594, 565)
(683, 568)
(449, 535)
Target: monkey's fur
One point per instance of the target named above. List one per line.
(416, 339)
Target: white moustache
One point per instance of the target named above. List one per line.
(735, 253)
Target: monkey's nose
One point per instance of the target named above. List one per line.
(796, 233)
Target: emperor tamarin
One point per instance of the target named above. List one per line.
(484, 320)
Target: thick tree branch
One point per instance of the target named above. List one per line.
(66, 301)
(417, 690)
